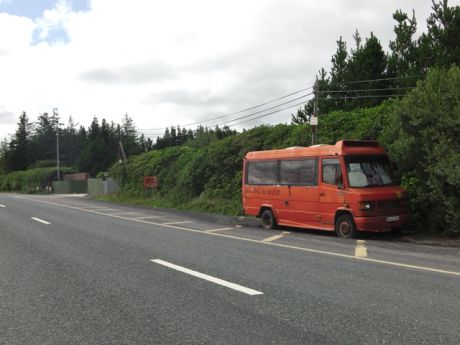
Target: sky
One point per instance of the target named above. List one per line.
(174, 62)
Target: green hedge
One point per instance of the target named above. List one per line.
(27, 181)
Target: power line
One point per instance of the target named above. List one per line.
(271, 113)
(257, 117)
(369, 90)
(365, 96)
(261, 111)
(237, 112)
(380, 79)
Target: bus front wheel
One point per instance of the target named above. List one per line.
(268, 220)
(345, 227)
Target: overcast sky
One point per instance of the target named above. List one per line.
(176, 61)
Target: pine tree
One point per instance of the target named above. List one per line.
(440, 46)
(339, 65)
(403, 48)
(367, 62)
(20, 155)
(129, 136)
(44, 140)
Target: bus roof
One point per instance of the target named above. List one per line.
(340, 148)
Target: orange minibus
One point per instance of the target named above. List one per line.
(346, 188)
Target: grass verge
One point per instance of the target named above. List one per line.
(227, 207)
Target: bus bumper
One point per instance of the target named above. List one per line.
(381, 223)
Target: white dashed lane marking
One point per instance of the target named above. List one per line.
(209, 278)
(40, 220)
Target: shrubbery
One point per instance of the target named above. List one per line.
(423, 139)
(27, 181)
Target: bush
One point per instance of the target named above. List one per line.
(27, 181)
(424, 140)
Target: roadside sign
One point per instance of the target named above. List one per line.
(150, 182)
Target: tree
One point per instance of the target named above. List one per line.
(20, 155)
(4, 156)
(44, 140)
(367, 62)
(339, 65)
(339, 74)
(70, 145)
(303, 115)
(129, 136)
(93, 156)
(424, 140)
(440, 46)
(403, 59)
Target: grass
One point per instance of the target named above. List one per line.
(227, 207)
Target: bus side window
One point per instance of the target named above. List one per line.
(298, 172)
(262, 173)
(332, 174)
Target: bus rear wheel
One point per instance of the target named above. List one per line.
(268, 220)
(345, 227)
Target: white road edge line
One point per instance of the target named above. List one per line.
(40, 220)
(1, 205)
(209, 278)
(303, 249)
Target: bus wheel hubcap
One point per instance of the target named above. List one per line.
(266, 220)
(344, 228)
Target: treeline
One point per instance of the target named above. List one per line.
(365, 75)
(201, 136)
(421, 132)
(92, 149)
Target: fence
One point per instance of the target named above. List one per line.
(97, 186)
(69, 187)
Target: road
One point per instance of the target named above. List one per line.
(78, 271)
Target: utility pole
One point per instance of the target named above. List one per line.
(122, 151)
(314, 117)
(56, 115)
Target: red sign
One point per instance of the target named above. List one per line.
(150, 182)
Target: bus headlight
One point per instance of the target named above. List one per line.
(366, 206)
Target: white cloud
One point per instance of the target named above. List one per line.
(177, 61)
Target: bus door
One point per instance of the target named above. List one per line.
(331, 193)
(299, 182)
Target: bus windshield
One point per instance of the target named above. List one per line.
(368, 171)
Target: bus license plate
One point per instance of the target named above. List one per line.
(393, 219)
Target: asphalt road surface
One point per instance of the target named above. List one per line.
(77, 271)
